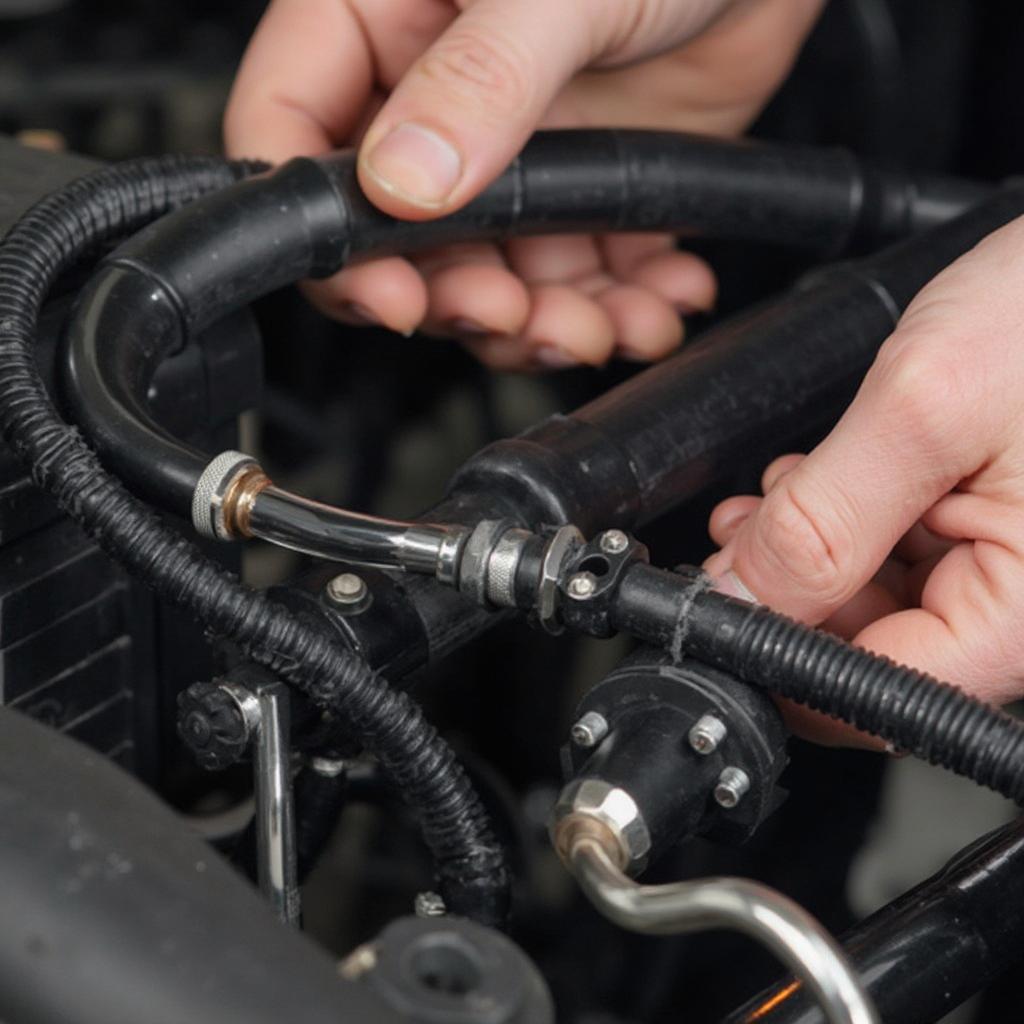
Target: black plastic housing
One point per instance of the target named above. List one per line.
(650, 703)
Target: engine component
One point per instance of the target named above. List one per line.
(118, 913)
(663, 749)
(651, 708)
(83, 646)
(55, 234)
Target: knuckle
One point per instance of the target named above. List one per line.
(922, 387)
(488, 72)
(812, 550)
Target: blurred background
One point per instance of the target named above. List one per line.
(377, 422)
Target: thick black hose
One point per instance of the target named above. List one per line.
(54, 235)
(310, 218)
(909, 709)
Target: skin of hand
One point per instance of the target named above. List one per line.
(904, 530)
(441, 94)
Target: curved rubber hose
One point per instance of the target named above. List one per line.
(51, 237)
(310, 218)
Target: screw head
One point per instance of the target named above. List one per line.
(732, 784)
(582, 586)
(429, 904)
(614, 542)
(590, 730)
(346, 589)
(707, 734)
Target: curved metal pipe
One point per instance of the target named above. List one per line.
(234, 498)
(756, 910)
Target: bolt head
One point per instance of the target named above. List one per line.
(707, 735)
(590, 730)
(582, 586)
(346, 589)
(731, 787)
(614, 542)
(429, 904)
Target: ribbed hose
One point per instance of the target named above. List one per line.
(910, 709)
(53, 236)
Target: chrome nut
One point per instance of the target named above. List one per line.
(612, 807)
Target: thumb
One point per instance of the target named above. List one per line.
(825, 528)
(466, 107)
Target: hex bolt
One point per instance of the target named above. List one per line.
(429, 904)
(346, 589)
(582, 586)
(732, 784)
(707, 734)
(614, 542)
(590, 730)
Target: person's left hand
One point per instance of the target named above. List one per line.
(481, 75)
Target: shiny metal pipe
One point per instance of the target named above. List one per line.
(235, 499)
(276, 854)
(756, 910)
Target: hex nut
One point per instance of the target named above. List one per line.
(615, 809)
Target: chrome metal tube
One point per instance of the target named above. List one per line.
(275, 809)
(762, 913)
(294, 522)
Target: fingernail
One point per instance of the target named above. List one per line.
(731, 585)
(416, 164)
(354, 313)
(468, 328)
(554, 358)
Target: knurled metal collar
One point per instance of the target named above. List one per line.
(208, 499)
(502, 565)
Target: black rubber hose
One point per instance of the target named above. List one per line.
(310, 218)
(53, 236)
(911, 710)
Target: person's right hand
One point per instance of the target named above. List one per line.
(441, 94)
(904, 529)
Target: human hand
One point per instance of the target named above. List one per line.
(441, 95)
(904, 529)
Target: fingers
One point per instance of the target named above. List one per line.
(463, 110)
(466, 106)
(829, 522)
(729, 515)
(387, 292)
(472, 293)
(302, 84)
